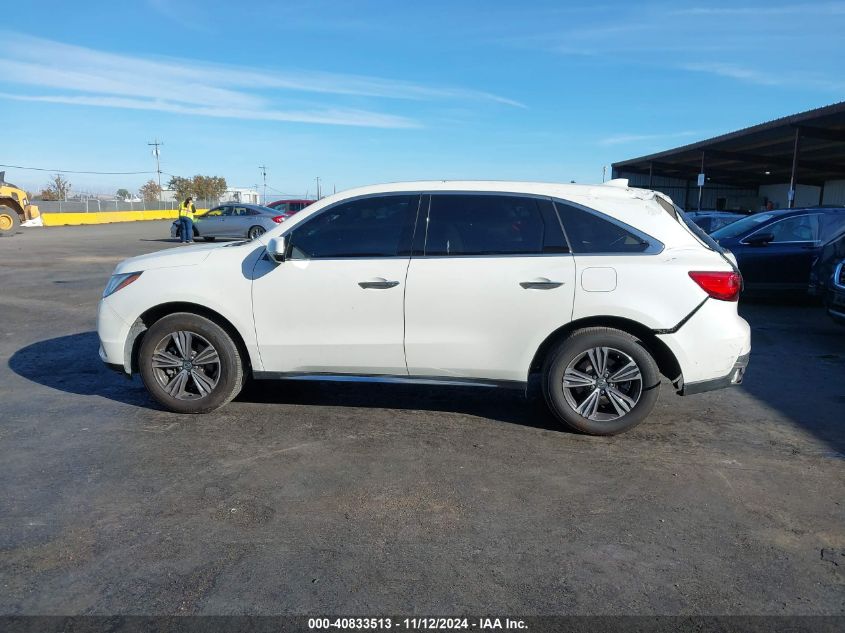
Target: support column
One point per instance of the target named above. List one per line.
(793, 178)
(701, 186)
(650, 174)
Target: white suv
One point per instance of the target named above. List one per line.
(598, 289)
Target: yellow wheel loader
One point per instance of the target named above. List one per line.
(14, 207)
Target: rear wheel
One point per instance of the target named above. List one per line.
(190, 364)
(255, 231)
(9, 220)
(601, 381)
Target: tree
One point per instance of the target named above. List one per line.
(150, 191)
(56, 189)
(123, 194)
(209, 187)
(183, 187)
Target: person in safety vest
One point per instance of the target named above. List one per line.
(186, 221)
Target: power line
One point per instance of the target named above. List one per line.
(69, 171)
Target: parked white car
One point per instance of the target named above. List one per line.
(599, 289)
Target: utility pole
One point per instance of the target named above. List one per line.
(157, 152)
(264, 173)
(318, 188)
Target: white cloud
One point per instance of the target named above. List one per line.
(327, 116)
(750, 75)
(97, 78)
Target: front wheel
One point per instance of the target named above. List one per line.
(601, 381)
(189, 364)
(9, 220)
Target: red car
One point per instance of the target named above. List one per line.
(287, 208)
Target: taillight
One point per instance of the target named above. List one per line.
(724, 286)
(279, 219)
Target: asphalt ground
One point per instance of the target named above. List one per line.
(330, 498)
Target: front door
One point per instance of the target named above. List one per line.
(784, 263)
(336, 304)
(211, 224)
(495, 278)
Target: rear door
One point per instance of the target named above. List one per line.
(236, 221)
(492, 278)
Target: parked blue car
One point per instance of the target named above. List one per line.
(775, 249)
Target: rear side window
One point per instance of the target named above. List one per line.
(492, 225)
(591, 233)
(379, 226)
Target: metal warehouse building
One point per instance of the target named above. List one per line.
(795, 161)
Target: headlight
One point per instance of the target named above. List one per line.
(118, 282)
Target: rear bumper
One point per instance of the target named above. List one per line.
(709, 344)
(734, 377)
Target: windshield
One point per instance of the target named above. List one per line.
(741, 227)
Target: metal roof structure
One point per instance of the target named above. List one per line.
(806, 148)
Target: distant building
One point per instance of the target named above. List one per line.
(241, 194)
(795, 161)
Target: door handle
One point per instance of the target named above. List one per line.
(379, 283)
(540, 283)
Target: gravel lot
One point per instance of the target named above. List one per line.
(363, 499)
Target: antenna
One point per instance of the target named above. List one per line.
(157, 152)
(263, 169)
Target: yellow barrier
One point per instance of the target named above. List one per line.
(106, 217)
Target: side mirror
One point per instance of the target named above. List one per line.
(760, 239)
(276, 249)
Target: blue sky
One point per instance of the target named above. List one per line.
(363, 92)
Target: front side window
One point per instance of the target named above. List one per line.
(798, 228)
(591, 233)
(215, 213)
(464, 224)
(370, 227)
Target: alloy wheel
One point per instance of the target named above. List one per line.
(186, 365)
(602, 384)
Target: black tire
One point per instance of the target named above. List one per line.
(209, 239)
(561, 401)
(256, 231)
(9, 220)
(228, 374)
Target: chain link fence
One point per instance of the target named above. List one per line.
(93, 205)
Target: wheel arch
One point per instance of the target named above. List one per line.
(663, 356)
(150, 316)
(12, 204)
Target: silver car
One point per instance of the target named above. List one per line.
(232, 220)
